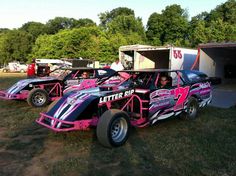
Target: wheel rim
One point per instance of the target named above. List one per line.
(119, 129)
(39, 99)
(192, 109)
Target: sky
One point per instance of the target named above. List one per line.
(14, 13)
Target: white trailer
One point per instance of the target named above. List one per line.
(53, 62)
(218, 60)
(168, 57)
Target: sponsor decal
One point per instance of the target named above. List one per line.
(102, 72)
(76, 98)
(160, 102)
(116, 96)
(205, 85)
(202, 88)
(161, 92)
(162, 96)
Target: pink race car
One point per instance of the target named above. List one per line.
(143, 98)
(40, 91)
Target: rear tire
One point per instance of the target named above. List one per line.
(38, 98)
(113, 128)
(191, 111)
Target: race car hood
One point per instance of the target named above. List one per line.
(20, 85)
(73, 105)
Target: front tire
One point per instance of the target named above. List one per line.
(192, 109)
(113, 128)
(38, 98)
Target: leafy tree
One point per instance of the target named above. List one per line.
(225, 12)
(106, 49)
(115, 41)
(199, 34)
(84, 22)
(217, 29)
(34, 28)
(169, 27)
(216, 26)
(43, 47)
(85, 42)
(155, 28)
(121, 28)
(15, 45)
(58, 23)
(81, 42)
(176, 24)
(230, 32)
(201, 16)
(3, 30)
(2, 58)
(107, 17)
(127, 25)
(122, 22)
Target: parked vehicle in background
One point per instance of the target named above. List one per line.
(5, 69)
(141, 99)
(40, 91)
(104, 65)
(15, 67)
(45, 66)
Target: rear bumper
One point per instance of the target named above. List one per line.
(46, 121)
(6, 96)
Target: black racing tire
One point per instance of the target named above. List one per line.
(191, 111)
(52, 105)
(38, 98)
(113, 128)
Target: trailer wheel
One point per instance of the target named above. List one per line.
(113, 128)
(192, 109)
(38, 98)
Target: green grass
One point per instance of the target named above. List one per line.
(205, 146)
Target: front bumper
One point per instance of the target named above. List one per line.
(45, 120)
(6, 96)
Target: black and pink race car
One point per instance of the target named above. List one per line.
(139, 100)
(41, 90)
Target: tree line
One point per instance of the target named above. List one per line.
(63, 37)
